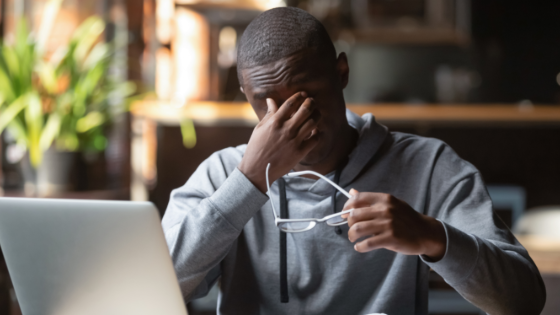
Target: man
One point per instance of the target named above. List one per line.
(416, 204)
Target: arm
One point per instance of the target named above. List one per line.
(483, 260)
(205, 216)
(201, 223)
(467, 245)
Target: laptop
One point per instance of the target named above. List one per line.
(74, 257)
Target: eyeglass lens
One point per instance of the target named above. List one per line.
(338, 220)
(296, 226)
(307, 225)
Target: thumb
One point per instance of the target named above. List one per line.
(352, 192)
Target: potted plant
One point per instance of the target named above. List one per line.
(61, 105)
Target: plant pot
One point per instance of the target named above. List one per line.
(51, 177)
(29, 175)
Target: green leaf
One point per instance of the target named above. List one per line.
(22, 36)
(84, 89)
(34, 122)
(12, 61)
(92, 79)
(86, 35)
(60, 55)
(90, 121)
(100, 143)
(51, 130)
(69, 142)
(6, 86)
(189, 133)
(27, 63)
(11, 111)
(125, 89)
(99, 53)
(47, 75)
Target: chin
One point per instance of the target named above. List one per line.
(310, 160)
(320, 153)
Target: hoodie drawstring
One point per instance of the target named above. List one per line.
(284, 297)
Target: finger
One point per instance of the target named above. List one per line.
(366, 228)
(374, 242)
(352, 192)
(365, 214)
(309, 144)
(272, 108)
(308, 129)
(303, 113)
(364, 199)
(290, 105)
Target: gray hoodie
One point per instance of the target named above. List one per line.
(220, 227)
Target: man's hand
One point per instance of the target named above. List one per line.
(282, 138)
(387, 222)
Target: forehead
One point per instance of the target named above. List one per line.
(291, 71)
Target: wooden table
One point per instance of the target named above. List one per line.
(545, 252)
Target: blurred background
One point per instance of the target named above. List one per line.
(123, 99)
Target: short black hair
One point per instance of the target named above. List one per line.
(279, 33)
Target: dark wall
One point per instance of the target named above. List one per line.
(517, 47)
(175, 163)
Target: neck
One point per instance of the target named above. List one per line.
(341, 149)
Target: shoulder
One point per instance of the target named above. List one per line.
(230, 153)
(414, 141)
(429, 152)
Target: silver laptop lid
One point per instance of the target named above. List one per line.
(70, 257)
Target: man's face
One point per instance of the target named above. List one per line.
(303, 72)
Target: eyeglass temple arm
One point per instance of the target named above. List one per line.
(322, 177)
(268, 191)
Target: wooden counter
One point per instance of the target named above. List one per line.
(545, 252)
(241, 113)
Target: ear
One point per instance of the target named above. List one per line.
(241, 89)
(342, 69)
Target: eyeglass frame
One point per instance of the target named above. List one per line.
(312, 221)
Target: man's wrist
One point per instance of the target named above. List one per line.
(257, 180)
(435, 243)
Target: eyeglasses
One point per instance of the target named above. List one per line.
(302, 225)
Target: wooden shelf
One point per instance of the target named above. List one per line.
(415, 36)
(241, 113)
(229, 5)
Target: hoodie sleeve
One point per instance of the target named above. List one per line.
(203, 220)
(483, 260)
